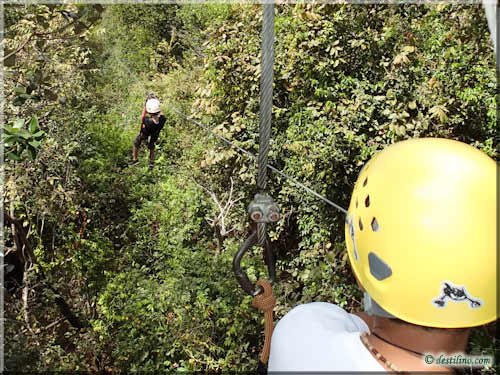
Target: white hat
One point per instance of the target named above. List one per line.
(153, 106)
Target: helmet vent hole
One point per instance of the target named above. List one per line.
(375, 226)
(367, 201)
(356, 202)
(378, 268)
(365, 181)
(360, 224)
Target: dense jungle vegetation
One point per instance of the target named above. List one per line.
(111, 267)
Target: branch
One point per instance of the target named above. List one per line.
(84, 222)
(23, 244)
(219, 220)
(53, 324)
(19, 49)
(25, 294)
(59, 30)
(229, 203)
(51, 33)
(69, 37)
(19, 234)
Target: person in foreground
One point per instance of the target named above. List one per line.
(421, 240)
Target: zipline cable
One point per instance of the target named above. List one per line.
(252, 156)
(266, 94)
(266, 106)
(263, 209)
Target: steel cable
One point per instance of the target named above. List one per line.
(253, 157)
(266, 93)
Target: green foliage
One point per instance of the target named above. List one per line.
(144, 255)
(349, 80)
(17, 139)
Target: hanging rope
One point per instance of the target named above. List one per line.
(265, 302)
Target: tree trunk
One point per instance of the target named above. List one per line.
(23, 247)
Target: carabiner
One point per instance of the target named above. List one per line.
(241, 275)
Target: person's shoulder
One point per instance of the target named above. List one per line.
(320, 315)
(309, 312)
(305, 338)
(314, 309)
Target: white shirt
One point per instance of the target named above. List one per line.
(320, 337)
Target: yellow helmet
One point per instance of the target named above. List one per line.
(421, 233)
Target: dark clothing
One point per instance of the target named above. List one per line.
(142, 138)
(150, 131)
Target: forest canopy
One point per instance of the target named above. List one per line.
(112, 267)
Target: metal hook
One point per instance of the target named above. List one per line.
(241, 275)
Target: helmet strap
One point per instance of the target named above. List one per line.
(373, 308)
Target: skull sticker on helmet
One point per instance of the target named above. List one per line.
(455, 293)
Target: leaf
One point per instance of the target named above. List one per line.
(401, 59)
(18, 124)
(9, 130)
(24, 134)
(31, 153)
(439, 112)
(19, 90)
(12, 156)
(18, 101)
(409, 49)
(33, 126)
(34, 144)
(10, 138)
(38, 134)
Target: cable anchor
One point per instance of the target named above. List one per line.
(263, 209)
